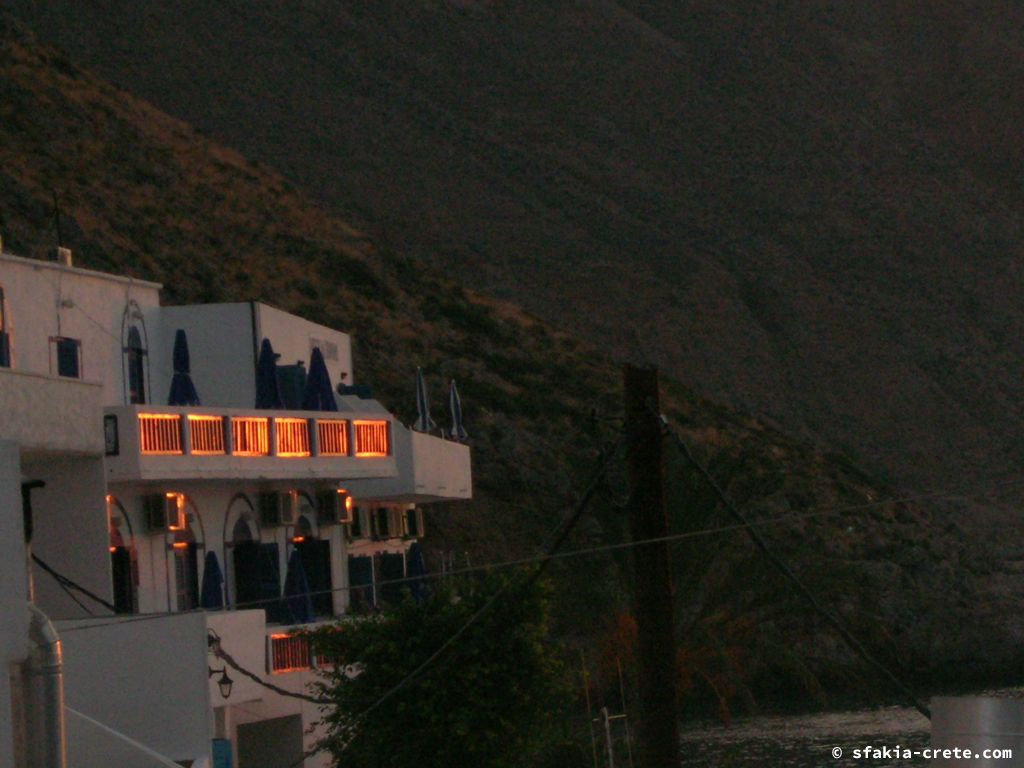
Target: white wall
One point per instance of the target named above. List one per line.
(47, 414)
(45, 299)
(14, 626)
(144, 678)
(294, 338)
(224, 341)
(221, 352)
(429, 469)
(70, 522)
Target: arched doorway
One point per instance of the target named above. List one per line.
(185, 548)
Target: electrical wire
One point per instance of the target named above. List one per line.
(217, 649)
(68, 584)
(833, 620)
(603, 548)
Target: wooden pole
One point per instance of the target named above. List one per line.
(658, 732)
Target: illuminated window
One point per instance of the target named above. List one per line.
(160, 433)
(372, 438)
(333, 435)
(292, 437)
(250, 435)
(207, 434)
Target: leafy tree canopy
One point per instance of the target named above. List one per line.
(496, 698)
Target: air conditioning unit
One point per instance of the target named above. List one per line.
(279, 507)
(165, 512)
(412, 523)
(334, 507)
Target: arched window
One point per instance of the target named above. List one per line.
(124, 566)
(135, 362)
(135, 358)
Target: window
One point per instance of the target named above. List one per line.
(135, 362)
(359, 528)
(66, 357)
(5, 332)
(382, 523)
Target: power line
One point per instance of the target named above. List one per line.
(67, 584)
(804, 591)
(603, 548)
(561, 534)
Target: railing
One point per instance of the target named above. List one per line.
(160, 433)
(290, 652)
(372, 438)
(333, 437)
(292, 437)
(251, 435)
(206, 434)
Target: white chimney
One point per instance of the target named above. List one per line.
(62, 256)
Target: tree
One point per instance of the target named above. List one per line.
(493, 699)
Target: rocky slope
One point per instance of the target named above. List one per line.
(809, 209)
(145, 194)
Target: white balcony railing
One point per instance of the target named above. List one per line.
(147, 442)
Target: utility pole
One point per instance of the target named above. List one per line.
(659, 710)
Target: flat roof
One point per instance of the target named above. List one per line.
(44, 264)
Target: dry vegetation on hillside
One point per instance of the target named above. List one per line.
(147, 195)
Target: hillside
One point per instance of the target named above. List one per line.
(145, 194)
(811, 210)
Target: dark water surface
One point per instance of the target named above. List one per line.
(807, 741)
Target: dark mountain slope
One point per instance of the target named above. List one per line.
(810, 209)
(144, 194)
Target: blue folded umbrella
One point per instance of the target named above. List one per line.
(268, 393)
(211, 593)
(297, 600)
(318, 395)
(183, 391)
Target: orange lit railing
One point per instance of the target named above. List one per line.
(213, 434)
(333, 436)
(159, 433)
(372, 438)
(294, 653)
(290, 653)
(292, 437)
(207, 434)
(250, 435)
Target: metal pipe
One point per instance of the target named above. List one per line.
(47, 747)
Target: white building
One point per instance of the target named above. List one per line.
(144, 502)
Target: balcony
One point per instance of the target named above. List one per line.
(170, 443)
(291, 651)
(429, 469)
(48, 415)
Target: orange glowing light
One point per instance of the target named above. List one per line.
(113, 549)
(180, 545)
(298, 539)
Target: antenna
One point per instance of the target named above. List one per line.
(56, 219)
